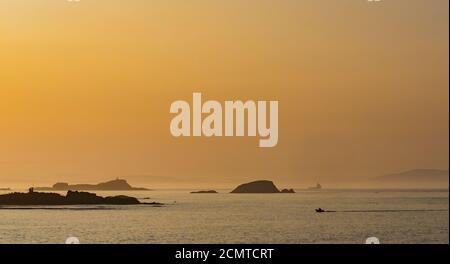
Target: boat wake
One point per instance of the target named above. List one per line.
(382, 211)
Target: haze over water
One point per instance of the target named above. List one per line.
(85, 89)
(414, 217)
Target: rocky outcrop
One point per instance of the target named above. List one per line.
(257, 187)
(114, 185)
(209, 191)
(71, 198)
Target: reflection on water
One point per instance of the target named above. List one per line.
(392, 216)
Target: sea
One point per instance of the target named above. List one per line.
(392, 216)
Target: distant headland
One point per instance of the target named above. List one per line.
(418, 178)
(114, 185)
(262, 186)
(71, 198)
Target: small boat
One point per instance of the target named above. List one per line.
(320, 210)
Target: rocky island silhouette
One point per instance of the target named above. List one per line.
(262, 186)
(208, 191)
(114, 185)
(71, 198)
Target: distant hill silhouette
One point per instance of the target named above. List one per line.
(114, 185)
(263, 186)
(418, 177)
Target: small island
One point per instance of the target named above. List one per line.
(114, 185)
(71, 198)
(262, 186)
(287, 191)
(209, 191)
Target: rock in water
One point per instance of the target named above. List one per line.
(287, 191)
(72, 198)
(209, 191)
(257, 187)
(114, 185)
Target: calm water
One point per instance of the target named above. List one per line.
(241, 218)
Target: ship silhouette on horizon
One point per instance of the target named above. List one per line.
(317, 187)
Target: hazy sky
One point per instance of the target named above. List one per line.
(85, 89)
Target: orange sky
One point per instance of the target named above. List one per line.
(85, 89)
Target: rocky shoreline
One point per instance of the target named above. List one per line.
(71, 198)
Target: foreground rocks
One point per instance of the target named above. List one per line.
(71, 198)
